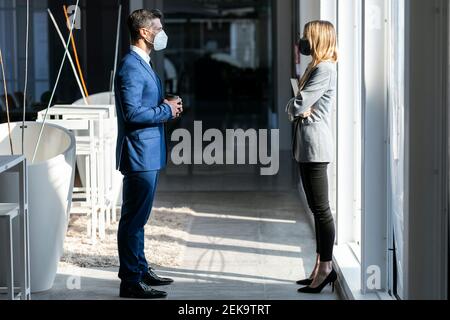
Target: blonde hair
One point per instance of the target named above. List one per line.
(322, 38)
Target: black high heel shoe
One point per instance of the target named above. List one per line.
(306, 282)
(331, 279)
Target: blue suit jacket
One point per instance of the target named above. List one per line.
(141, 114)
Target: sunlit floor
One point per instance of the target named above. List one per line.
(249, 238)
(242, 245)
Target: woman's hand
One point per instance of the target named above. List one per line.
(307, 114)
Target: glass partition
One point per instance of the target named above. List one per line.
(220, 61)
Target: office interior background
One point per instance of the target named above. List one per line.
(232, 62)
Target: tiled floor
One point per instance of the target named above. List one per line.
(242, 245)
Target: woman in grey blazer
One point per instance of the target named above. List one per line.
(311, 112)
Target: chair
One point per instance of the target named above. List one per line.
(11, 213)
(107, 132)
(94, 130)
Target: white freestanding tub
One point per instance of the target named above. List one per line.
(102, 99)
(50, 186)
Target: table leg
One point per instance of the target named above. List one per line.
(10, 266)
(24, 278)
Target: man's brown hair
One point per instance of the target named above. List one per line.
(141, 19)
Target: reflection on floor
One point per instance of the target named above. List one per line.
(242, 245)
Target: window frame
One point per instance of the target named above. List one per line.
(349, 27)
(356, 262)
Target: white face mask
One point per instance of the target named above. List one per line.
(160, 41)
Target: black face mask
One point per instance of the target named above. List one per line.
(304, 47)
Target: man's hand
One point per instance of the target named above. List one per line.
(176, 106)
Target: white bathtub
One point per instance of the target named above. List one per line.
(102, 99)
(50, 186)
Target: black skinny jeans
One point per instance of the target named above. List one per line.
(315, 183)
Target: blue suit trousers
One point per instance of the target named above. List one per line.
(139, 190)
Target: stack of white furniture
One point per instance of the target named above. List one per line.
(14, 244)
(95, 129)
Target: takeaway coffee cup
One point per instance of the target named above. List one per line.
(172, 97)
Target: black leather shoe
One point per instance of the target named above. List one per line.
(140, 291)
(152, 279)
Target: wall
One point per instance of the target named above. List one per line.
(283, 49)
(427, 150)
(95, 42)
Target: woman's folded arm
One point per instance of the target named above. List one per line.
(314, 89)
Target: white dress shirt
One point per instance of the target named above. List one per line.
(142, 54)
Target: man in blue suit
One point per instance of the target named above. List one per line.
(141, 149)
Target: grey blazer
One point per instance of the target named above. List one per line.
(313, 138)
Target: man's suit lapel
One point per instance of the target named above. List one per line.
(159, 86)
(159, 81)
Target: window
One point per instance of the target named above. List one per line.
(349, 126)
(362, 149)
(8, 29)
(396, 96)
(379, 199)
(12, 42)
(41, 41)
